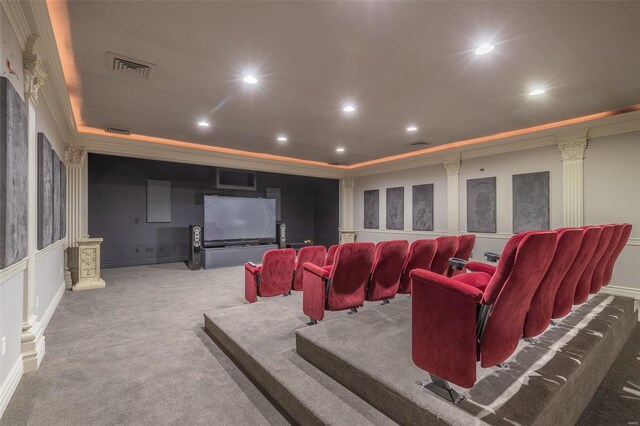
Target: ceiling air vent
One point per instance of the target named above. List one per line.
(419, 143)
(129, 66)
(117, 130)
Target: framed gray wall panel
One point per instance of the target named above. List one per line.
(63, 200)
(56, 197)
(13, 175)
(481, 205)
(158, 201)
(422, 206)
(372, 209)
(45, 192)
(395, 208)
(530, 202)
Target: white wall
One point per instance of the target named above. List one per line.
(49, 282)
(611, 194)
(436, 175)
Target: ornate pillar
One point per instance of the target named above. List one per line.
(347, 234)
(572, 153)
(32, 340)
(453, 198)
(75, 159)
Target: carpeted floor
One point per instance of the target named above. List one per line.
(135, 353)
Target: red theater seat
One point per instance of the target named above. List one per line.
(597, 281)
(386, 270)
(539, 315)
(465, 247)
(340, 286)
(584, 284)
(454, 325)
(567, 290)
(312, 254)
(420, 255)
(331, 254)
(608, 273)
(447, 247)
(272, 277)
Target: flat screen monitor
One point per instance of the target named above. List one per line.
(230, 219)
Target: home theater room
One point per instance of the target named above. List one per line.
(319, 212)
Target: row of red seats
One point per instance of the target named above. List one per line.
(482, 315)
(357, 271)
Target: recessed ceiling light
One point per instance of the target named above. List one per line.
(349, 108)
(282, 138)
(203, 123)
(536, 92)
(249, 79)
(340, 149)
(484, 49)
(412, 129)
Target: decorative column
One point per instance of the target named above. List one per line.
(32, 340)
(453, 198)
(572, 152)
(347, 234)
(75, 159)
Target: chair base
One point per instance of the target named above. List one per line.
(352, 311)
(385, 302)
(441, 387)
(312, 321)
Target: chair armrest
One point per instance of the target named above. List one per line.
(423, 277)
(481, 267)
(443, 327)
(457, 263)
(316, 270)
(491, 256)
(252, 267)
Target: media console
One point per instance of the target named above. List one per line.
(218, 257)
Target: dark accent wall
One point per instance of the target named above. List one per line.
(118, 207)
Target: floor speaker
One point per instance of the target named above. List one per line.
(195, 247)
(281, 234)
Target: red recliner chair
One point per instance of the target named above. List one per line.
(311, 254)
(539, 315)
(331, 254)
(272, 277)
(386, 270)
(340, 286)
(447, 246)
(567, 290)
(584, 284)
(597, 279)
(420, 255)
(463, 252)
(608, 273)
(455, 325)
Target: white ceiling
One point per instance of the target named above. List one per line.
(401, 63)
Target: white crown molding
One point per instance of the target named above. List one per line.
(11, 271)
(133, 148)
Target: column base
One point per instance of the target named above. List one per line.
(347, 237)
(88, 285)
(33, 346)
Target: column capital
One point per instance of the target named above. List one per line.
(573, 150)
(34, 76)
(75, 155)
(452, 166)
(347, 182)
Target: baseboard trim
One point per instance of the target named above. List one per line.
(633, 293)
(46, 317)
(142, 262)
(10, 384)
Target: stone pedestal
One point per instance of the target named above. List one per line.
(84, 263)
(347, 237)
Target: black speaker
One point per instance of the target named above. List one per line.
(281, 234)
(195, 246)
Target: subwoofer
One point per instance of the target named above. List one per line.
(281, 234)
(195, 247)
